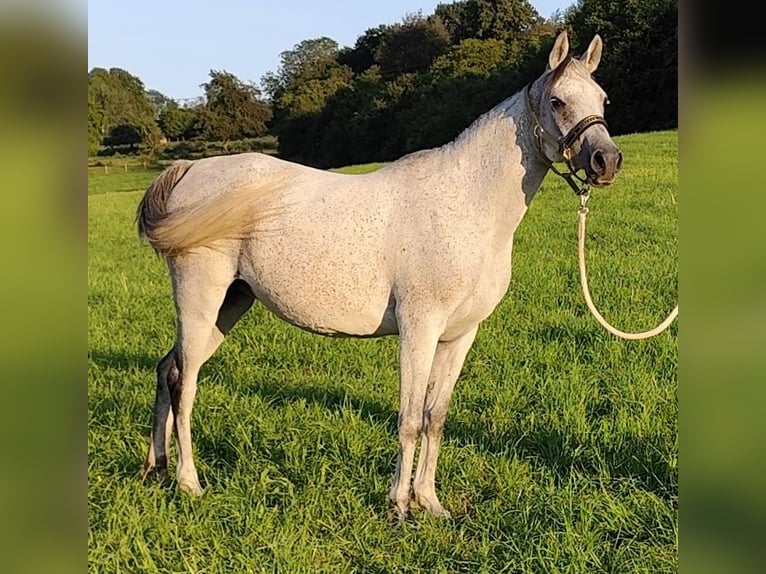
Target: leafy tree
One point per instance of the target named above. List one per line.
(95, 121)
(310, 96)
(309, 75)
(179, 123)
(418, 83)
(411, 46)
(117, 98)
(505, 20)
(159, 101)
(355, 123)
(362, 56)
(124, 134)
(458, 20)
(471, 57)
(639, 69)
(307, 60)
(233, 109)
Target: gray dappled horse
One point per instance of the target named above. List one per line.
(420, 249)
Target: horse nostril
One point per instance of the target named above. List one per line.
(619, 160)
(598, 162)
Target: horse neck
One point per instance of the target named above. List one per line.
(497, 153)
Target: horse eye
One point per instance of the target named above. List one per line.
(557, 103)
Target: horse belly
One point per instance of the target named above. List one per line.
(350, 300)
(320, 263)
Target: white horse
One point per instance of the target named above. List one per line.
(420, 249)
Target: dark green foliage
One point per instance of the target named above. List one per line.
(309, 75)
(471, 57)
(233, 109)
(505, 20)
(639, 69)
(405, 86)
(411, 46)
(179, 123)
(159, 101)
(362, 56)
(117, 100)
(122, 135)
(418, 83)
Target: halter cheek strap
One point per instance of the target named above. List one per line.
(563, 144)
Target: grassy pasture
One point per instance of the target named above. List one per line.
(560, 450)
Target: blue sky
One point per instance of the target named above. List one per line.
(172, 45)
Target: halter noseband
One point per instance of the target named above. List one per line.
(563, 144)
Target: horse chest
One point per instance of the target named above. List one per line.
(479, 303)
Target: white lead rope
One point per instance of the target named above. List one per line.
(586, 293)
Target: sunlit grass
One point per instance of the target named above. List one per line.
(560, 450)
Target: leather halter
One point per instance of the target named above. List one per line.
(563, 144)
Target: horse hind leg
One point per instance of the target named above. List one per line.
(162, 424)
(236, 303)
(206, 313)
(208, 306)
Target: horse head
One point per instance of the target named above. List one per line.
(567, 106)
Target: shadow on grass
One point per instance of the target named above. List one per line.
(221, 454)
(640, 459)
(125, 361)
(335, 399)
(637, 458)
(563, 454)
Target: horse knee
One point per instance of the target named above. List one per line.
(433, 422)
(409, 429)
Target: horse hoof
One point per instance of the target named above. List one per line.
(190, 488)
(399, 513)
(439, 512)
(432, 507)
(154, 473)
(154, 466)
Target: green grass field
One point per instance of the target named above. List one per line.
(560, 450)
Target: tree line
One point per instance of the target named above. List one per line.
(406, 86)
(122, 113)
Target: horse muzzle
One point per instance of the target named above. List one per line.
(604, 166)
(599, 157)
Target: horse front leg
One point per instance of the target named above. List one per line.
(448, 362)
(417, 345)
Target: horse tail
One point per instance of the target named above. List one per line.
(230, 215)
(153, 208)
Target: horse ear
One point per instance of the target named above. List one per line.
(559, 51)
(592, 55)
